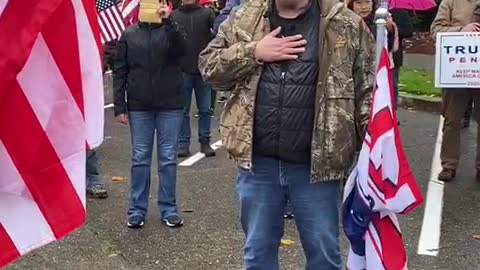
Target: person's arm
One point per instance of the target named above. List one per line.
(392, 39)
(363, 79)
(226, 60)
(211, 18)
(177, 38)
(120, 74)
(443, 20)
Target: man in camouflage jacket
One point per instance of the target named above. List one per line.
(297, 115)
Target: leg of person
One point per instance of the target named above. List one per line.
(142, 128)
(476, 116)
(168, 125)
(468, 115)
(262, 203)
(213, 100)
(396, 80)
(202, 95)
(454, 105)
(186, 133)
(316, 215)
(95, 185)
(288, 211)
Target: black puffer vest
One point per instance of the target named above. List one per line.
(285, 102)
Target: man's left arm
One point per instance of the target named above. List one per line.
(211, 18)
(363, 78)
(177, 36)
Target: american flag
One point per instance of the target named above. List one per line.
(380, 186)
(110, 20)
(130, 10)
(52, 104)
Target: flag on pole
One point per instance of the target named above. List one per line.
(51, 100)
(380, 186)
(110, 20)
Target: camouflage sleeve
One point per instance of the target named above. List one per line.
(443, 20)
(363, 79)
(226, 60)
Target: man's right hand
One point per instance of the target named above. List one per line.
(273, 49)
(471, 27)
(122, 119)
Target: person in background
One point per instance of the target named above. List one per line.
(457, 16)
(301, 76)
(404, 24)
(95, 184)
(366, 10)
(147, 71)
(198, 24)
(215, 6)
(222, 16)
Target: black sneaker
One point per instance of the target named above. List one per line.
(173, 221)
(183, 152)
(135, 222)
(447, 175)
(288, 215)
(206, 149)
(97, 192)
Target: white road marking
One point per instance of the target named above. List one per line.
(429, 242)
(198, 156)
(108, 106)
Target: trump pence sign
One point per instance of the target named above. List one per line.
(457, 62)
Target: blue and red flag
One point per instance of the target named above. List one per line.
(380, 186)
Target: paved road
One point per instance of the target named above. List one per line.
(212, 237)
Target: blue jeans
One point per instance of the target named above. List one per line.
(93, 176)
(263, 196)
(202, 96)
(142, 127)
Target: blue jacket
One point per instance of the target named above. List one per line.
(224, 13)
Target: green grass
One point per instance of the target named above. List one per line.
(418, 82)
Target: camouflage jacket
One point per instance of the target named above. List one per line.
(343, 92)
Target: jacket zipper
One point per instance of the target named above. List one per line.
(280, 105)
(150, 77)
(191, 25)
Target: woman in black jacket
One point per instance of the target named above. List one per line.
(366, 10)
(148, 87)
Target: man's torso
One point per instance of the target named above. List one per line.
(285, 102)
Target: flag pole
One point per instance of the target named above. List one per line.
(381, 15)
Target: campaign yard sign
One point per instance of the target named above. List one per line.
(457, 62)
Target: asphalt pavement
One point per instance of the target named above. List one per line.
(212, 237)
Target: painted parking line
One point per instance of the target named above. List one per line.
(429, 242)
(198, 156)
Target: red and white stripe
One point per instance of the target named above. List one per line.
(130, 11)
(386, 182)
(52, 104)
(111, 23)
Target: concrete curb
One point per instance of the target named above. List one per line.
(420, 103)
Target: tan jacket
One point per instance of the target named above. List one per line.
(344, 87)
(453, 15)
